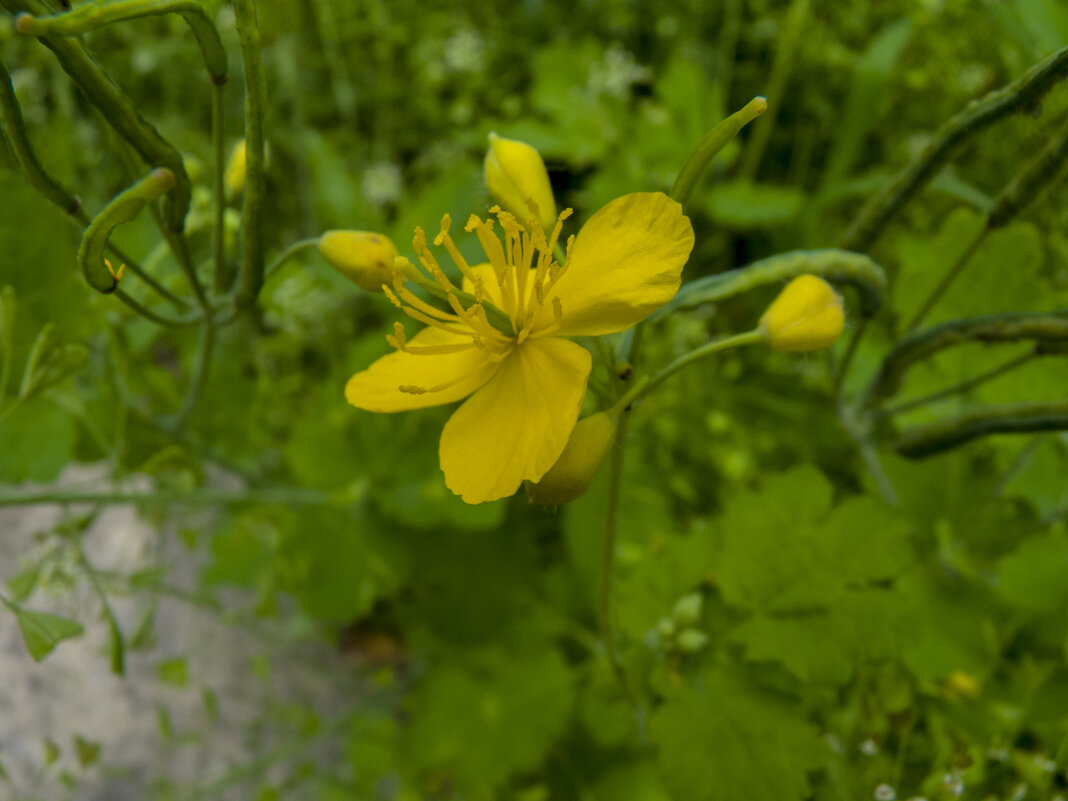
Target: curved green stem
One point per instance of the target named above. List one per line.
(291, 251)
(1022, 94)
(118, 109)
(644, 386)
(90, 16)
(838, 266)
(922, 441)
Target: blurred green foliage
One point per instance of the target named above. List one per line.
(783, 632)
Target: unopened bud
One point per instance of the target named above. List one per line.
(577, 466)
(516, 176)
(691, 641)
(234, 175)
(687, 610)
(807, 315)
(364, 257)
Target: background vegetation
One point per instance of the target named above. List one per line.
(800, 610)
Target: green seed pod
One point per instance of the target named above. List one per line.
(122, 208)
(577, 466)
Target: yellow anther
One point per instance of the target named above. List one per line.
(117, 275)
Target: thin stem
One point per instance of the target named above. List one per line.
(643, 388)
(780, 71)
(960, 387)
(205, 344)
(287, 496)
(947, 280)
(611, 527)
(1022, 94)
(118, 660)
(287, 254)
(224, 274)
(179, 246)
(148, 314)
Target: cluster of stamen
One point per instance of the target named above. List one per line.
(525, 273)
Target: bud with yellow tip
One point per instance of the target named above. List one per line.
(516, 174)
(234, 174)
(807, 315)
(578, 465)
(364, 257)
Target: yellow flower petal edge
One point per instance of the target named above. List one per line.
(408, 380)
(625, 264)
(501, 339)
(517, 425)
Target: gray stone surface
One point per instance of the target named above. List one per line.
(73, 692)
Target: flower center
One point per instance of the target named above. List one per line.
(523, 272)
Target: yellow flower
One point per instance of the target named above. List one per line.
(364, 257)
(526, 386)
(807, 315)
(516, 176)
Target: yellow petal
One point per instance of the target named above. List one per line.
(377, 389)
(626, 263)
(516, 426)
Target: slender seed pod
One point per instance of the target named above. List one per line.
(122, 208)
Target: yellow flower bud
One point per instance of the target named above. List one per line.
(516, 174)
(807, 315)
(364, 257)
(577, 466)
(234, 175)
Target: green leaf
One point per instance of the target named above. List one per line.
(490, 716)
(1004, 274)
(87, 750)
(43, 631)
(816, 578)
(22, 584)
(741, 204)
(1035, 575)
(724, 741)
(174, 672)
(36, 442)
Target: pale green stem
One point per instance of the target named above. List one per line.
(642, 388)
(203, 497)
(287, 254)
(962, 386)
(947, 281)
(604, 605)
(202, 362)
